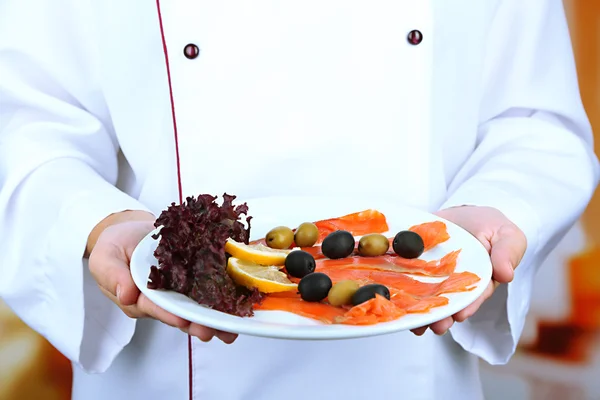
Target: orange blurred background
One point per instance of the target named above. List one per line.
(559, 356)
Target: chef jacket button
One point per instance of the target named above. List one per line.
(415, 37)
(191, 51)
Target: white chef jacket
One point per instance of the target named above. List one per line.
(101, 111)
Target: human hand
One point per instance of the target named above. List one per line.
(503, 240)
(110, 252)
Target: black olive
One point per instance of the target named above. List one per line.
(408, 244)
(368, 292)
(338, 244)
(299, 263)
(314, 287)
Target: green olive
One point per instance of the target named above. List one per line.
(280, 237)
(341, 293)
(306, 235)
(373, 245)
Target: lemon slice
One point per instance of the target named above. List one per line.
(257, 253)
(267, 279)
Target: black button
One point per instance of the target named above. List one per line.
(415, 37)
(191, 51)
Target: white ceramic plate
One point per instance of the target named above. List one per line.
(291, 211)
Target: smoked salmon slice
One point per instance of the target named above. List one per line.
(457, 282)
(407, 295)
(373, 313)
(376, 310)
(414, 305)
(433, 233)
(358, 224)
(291, 302)
(371, 221)
(437, 268)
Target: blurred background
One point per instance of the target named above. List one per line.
(559, 354)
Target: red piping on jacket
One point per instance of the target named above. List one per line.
(164, 43)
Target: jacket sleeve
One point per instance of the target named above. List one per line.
(58, 171)
(533, 160)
